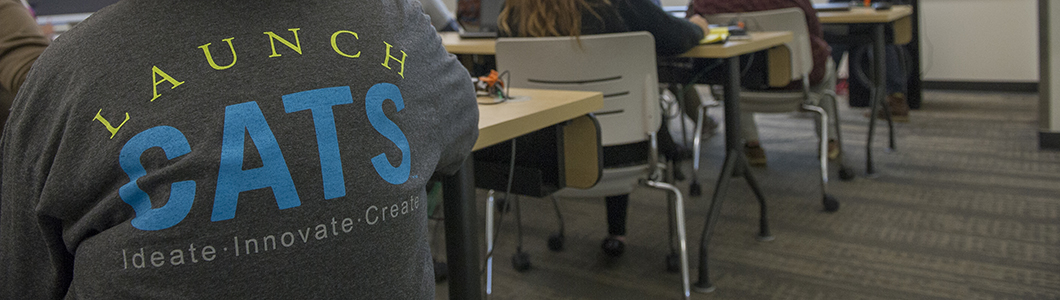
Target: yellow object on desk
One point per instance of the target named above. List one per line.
(716, 35)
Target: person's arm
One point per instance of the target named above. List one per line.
(21, 41)
(672, 35)
(34, 261)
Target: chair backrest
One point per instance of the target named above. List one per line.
(620, 65)
(785, 19)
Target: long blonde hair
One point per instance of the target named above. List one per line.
(540, 18)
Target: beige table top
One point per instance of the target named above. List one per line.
(759, 41)
(504, 121)
(456, 45)
(865, 15)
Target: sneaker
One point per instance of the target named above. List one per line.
(899, 108)
(756, 156)
(833, 149)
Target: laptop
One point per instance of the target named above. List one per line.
(478, 18)
(834, 6)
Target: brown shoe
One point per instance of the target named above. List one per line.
(756, 156)
(833, 149)
(899, 108)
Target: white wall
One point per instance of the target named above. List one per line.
(979, 40)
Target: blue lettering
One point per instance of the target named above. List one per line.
(373, 104)
(320, 101)
(181, 194)
(232, 179)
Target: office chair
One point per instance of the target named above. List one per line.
(786, 101)
(623, 67)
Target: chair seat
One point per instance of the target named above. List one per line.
(615, 181)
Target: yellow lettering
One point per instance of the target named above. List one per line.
(165, 77)
(273, 37)
(113, 130)
(209, 58)
(336, 46)
(386, 63)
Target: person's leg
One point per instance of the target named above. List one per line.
(896, 72)
(896, 86)
(691, 103)
(617, 206)
(756, 156)
(819, 96)
(837, 52)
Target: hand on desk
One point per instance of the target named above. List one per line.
(702, 22)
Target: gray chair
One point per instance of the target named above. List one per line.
(809, 98)
(622, 67)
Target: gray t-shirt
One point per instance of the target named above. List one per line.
(232, 150)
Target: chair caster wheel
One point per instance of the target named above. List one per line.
(830, 203)
(441, 271)
(673, 263)
(555, 242)
(846, 174)
(521, 261)
(694, 189)
(613, 247)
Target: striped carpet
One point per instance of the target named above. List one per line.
(966, 208)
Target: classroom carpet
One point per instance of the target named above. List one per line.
(966, 207)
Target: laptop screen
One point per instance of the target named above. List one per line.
(478, 18)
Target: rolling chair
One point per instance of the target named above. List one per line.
(786, 101)
(623, 67)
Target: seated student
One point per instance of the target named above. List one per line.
(232, 150)
(540, 18)
(820, 51)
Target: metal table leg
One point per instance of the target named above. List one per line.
(735, 163)
(878, 94)
(461, 234)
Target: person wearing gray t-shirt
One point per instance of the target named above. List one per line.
(232, 150)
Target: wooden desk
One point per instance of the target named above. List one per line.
(759, 41)
(735, 161)
(899, 20)
(779, 70)
(502, 122)
(497, 123)
(862, 15)
(456, 45)
(898, 16)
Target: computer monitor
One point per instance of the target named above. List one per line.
(478, 18)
